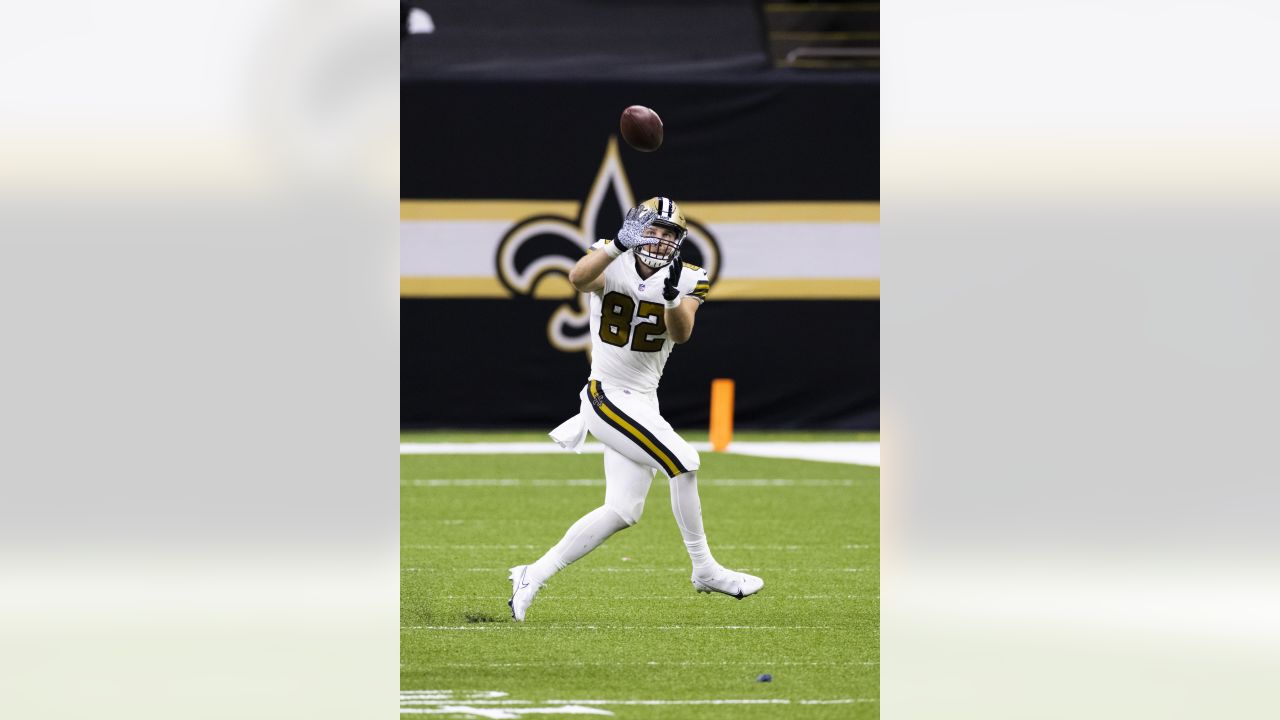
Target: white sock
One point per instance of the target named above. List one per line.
(582, 537)
(687, 508)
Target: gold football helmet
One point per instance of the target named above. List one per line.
(667, 215)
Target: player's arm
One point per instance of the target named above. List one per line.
(587, 273)
(681, 307)
(680, 320)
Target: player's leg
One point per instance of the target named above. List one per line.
(626, 485)
(632, 424)
(582, 537)
(629, 423)
(708, 575)
(686, 505)
(687, 508)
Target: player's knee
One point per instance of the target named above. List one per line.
(629, 511)
(694, 461)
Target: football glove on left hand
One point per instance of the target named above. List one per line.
(631, 233)
(671, 286)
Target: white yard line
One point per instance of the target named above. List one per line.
(647, 570)
(854, 453)
(789, 548)
(509, 713)
(498, 697)
(694, 596)
(763, 701)
(470, 547)
(497, 704)
(599, 482)
(490, 448)
(512, 626)
(651, 663)
(506, 712)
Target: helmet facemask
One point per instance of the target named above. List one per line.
(667, 216)
(659, 255)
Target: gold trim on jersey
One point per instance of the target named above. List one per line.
(699, 291)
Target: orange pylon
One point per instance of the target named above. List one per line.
(721, 414)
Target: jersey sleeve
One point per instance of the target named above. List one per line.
(695, 284)
(610, 274)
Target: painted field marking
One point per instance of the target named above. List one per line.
(647, 570)
(428, 698)
(507, 713)
(769, 548)
(471, 547)
(510, 626)
(695, 597)
(851, 452)
(763, 701)
(470, 696)
(649, 663)
(497, 704)
(599, 482)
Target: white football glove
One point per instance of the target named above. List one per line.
(631, 234)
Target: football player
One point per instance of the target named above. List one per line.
(643, 302)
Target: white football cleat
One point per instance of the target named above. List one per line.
(522, 592)
(723, 580)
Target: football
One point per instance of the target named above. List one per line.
(641, 128)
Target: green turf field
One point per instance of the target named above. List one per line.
(623, 628)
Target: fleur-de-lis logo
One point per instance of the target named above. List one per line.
(547, 245)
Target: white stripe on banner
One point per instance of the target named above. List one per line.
(468, 248)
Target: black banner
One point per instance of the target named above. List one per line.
(796, 364)
(775, 139)
(471, 357)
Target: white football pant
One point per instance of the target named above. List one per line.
(638, 441)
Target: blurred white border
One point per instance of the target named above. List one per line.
(198, 282)
(1079, 227)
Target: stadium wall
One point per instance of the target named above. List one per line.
(504, 184)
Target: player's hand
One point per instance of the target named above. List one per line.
(631, 233)
(671, 286)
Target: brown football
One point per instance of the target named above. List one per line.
(641, 128)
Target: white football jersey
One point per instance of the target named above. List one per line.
(629, 343)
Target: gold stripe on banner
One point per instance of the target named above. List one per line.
(704, 212)
(728, 289)
(452, 287)
(796, 289)
(512, 210)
